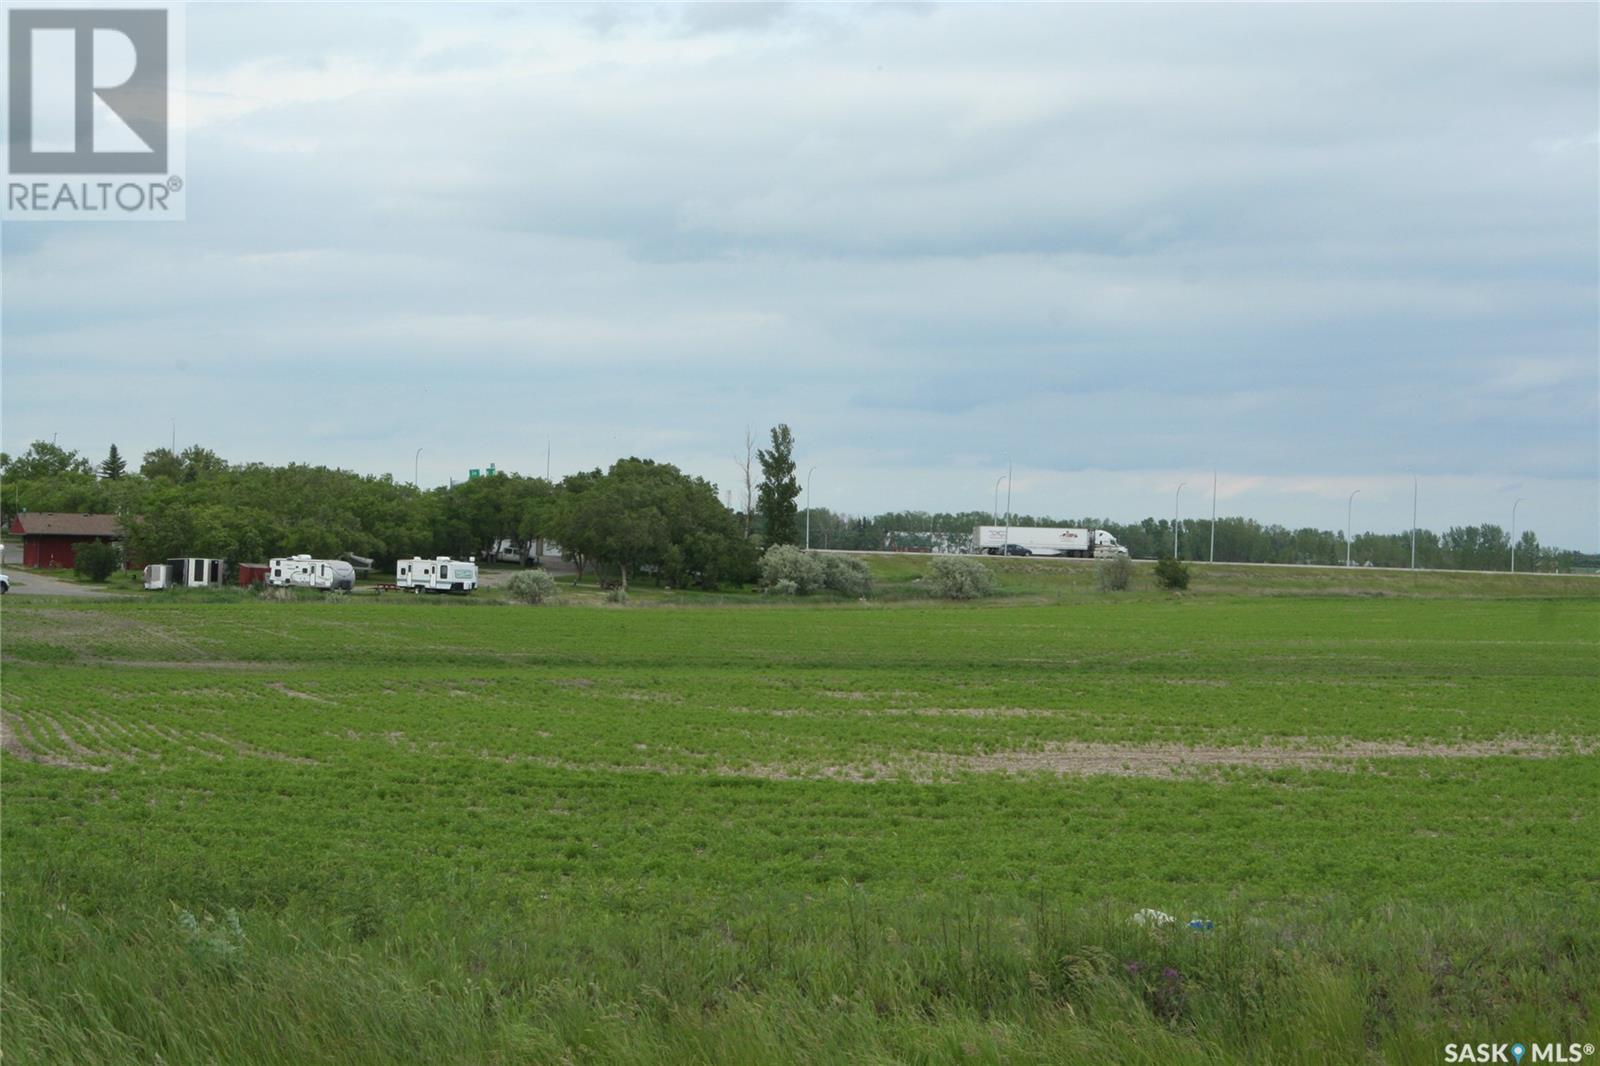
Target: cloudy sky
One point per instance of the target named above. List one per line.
(1317, 248)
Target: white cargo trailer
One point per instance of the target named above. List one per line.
(186, 572)
(442, 574)
(1046, 540)
(304, 572)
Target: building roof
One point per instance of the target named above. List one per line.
(58, 524)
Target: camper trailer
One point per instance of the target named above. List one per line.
(436, 575)
(157, 576)
(304, 572)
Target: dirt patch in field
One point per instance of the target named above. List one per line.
(296, 694)
(15, 746)
(1172, 760)
(240, 747)
(1079, 759)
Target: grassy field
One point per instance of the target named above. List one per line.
(733, 829)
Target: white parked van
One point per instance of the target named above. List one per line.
(302, 571)
(443, 574)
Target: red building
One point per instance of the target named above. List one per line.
(51, 539)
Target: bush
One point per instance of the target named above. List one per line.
(617, 595)
(783, 587)
(847, 576)
(785, 562)
(1115, 573)
(1172, 574)
(95, 560)
(531, 586)
(959, 577)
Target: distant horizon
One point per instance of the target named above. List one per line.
(1318, 248)
(725, 486)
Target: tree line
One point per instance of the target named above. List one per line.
(637, 517)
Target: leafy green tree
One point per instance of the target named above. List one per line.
(44, 459)
(113, 466)
(95, 560)
(162, 462)
(779, 487)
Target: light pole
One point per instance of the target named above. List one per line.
(1349, 506)
(1175, 497)
(416, 461)
(1413, 521)
(1213, 516)
(813, 470)
(996, 512)
(1007, 542)
(1514, 536)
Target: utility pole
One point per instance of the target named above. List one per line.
(1413, 521)
(416, 464)
(1176, 496)
(813, 470)
(547, 458)
(1007, 543)
(1348, 507)
(1514, 535)
(1213, 515)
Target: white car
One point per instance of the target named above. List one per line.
(5, 584)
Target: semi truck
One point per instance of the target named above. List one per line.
(302, 571)
(1046, 540)
(442, 574)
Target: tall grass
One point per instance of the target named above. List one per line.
(841, 978)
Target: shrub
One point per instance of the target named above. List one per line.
(1115, 573)
(959, 577)
(847, 576)
(785, 562)
(617, 595)
(531, 586)
(1172, 574)
(783, 587)
(95, 560)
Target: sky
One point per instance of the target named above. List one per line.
(1316, 249)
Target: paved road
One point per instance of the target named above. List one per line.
(26, 584)
(1008, 560)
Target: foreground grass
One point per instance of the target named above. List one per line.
(407, 831)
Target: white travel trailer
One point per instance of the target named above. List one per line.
(1046, 540)
(157, 576)
(443, 574)
(304, 572)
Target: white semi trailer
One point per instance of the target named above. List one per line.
(1046, 540)
(442, 574)
(304, 572)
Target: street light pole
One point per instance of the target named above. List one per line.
(996, 512)
(1213, 516)
(813, 470)
(1514, 536)
(1175, 497)
(1007, 542)
(416, 464)
(1413, 521)
(1349, 507)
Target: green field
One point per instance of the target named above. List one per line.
(729, 829)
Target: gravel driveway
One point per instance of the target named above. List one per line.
(26, 584)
